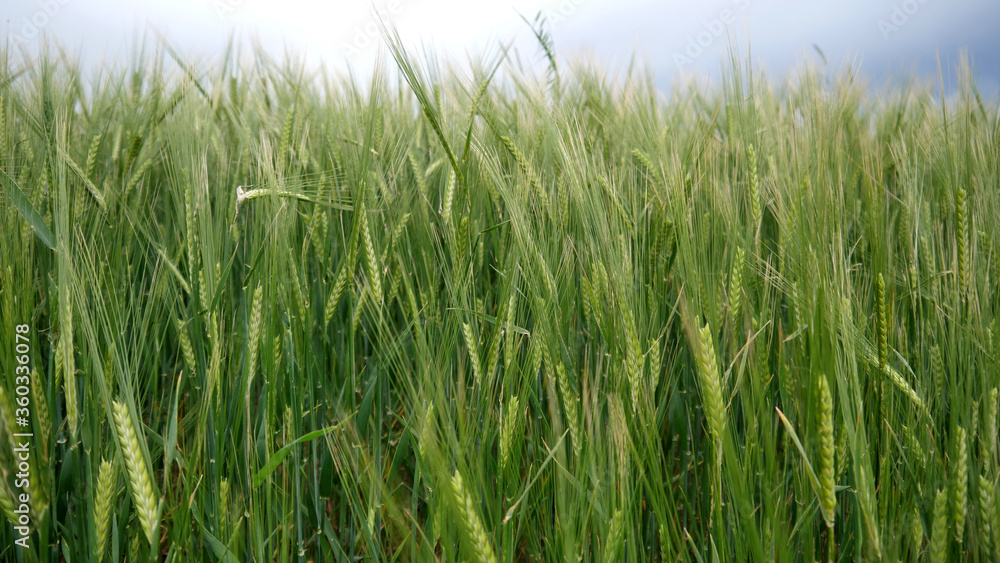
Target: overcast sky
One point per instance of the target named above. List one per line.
(883, 39)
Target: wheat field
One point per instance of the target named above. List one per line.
(256, 312)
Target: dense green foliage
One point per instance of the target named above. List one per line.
(487, 315)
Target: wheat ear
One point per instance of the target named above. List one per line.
(960, 483)
(939, 529)
(472, 344)
(987, 509)
(140, 482)
(711, 387)
(511, 431)
(615, 529)
(478, 540)
(755, 205)
(962, 239)
(824, 430)
(107, 495)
